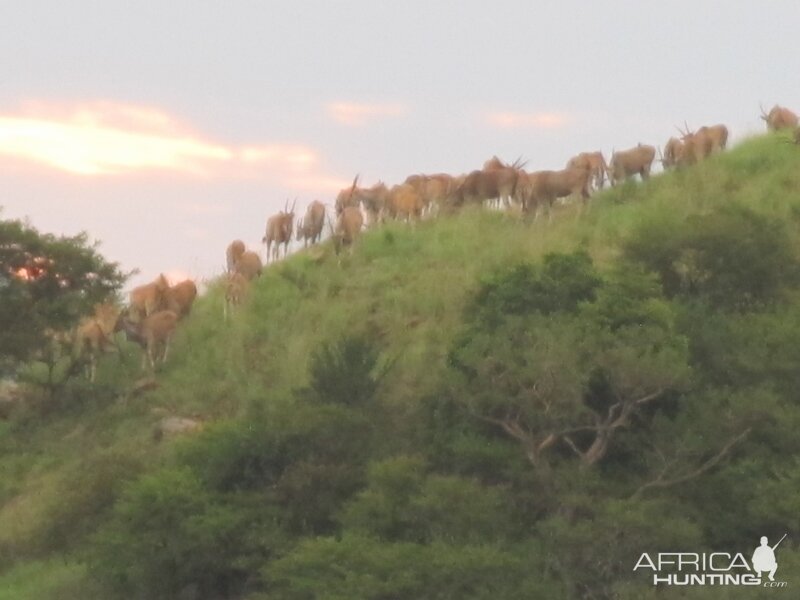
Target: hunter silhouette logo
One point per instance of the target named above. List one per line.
(764, 557)
(714, 568)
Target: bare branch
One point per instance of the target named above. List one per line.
(661, 482)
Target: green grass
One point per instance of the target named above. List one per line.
(407, 285)
(45, 580)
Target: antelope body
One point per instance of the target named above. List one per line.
(348, 227)
(148, 298)
(279, 231)
(626, 163)
(310, 226)
(153, 334)
(249, 265)
(779, 117)
(180, 297)
(542, 188)
(595, 163)
(233, 254)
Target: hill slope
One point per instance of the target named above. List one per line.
(424, 474)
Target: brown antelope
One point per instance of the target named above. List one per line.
(497, 181)
(404, 202)
(310, 226)
(542, 188)
(153, 334)
(626, 163)
(437, 190)
(279, 231)
(233, 253)
(180, 297)
(148, 298)
(249, 265)
(778, 118)
(94, 335)
(348, 228)
(346, 197)
(673, 151)
(719, 137)
(373, 199)
(595, 163)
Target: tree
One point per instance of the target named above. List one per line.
(46, 283)
(570, 374)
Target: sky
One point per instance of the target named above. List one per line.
(166, 129)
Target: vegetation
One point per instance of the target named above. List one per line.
(477, 407)
(46, 283)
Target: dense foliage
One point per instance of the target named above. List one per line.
(46, 283)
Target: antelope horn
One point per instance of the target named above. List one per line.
(293, 205)
(285, 205)
(352, 189)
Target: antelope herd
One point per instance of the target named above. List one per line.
(155, 309)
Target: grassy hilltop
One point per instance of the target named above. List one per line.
(360, 414)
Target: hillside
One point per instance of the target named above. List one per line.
(358, 412)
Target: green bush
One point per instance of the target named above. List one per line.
(732, 257)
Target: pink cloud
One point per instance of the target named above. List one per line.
(360, 113)
(530, 120)
(108, 138)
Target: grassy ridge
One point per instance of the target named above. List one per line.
(407, 285)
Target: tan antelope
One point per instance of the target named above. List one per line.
(233, 253)
(153, 334)
(542, 188)
(627, 163)
(180, 297)
(148, 298)
(404, 202)
(673, 151)
(310, 226)
(249, 265)
(779, 118)
(347, 197)
(719, 137)
(348, 228)
(94, 335)
(495, 181)
(437, 190)
(595, 163)
(279, 231)
(373, 199)
(697, 146)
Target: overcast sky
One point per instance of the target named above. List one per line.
(165, 129)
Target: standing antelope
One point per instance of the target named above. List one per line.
(595, 163)
(348, 227)
(148, 298)
(233, 254)
(94, 335)
(778, 118)
(542, 188)
(153, 334)
(626, 163)
(310, 226)
(279, 231)
(673, 151)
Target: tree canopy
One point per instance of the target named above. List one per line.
(47, 282)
